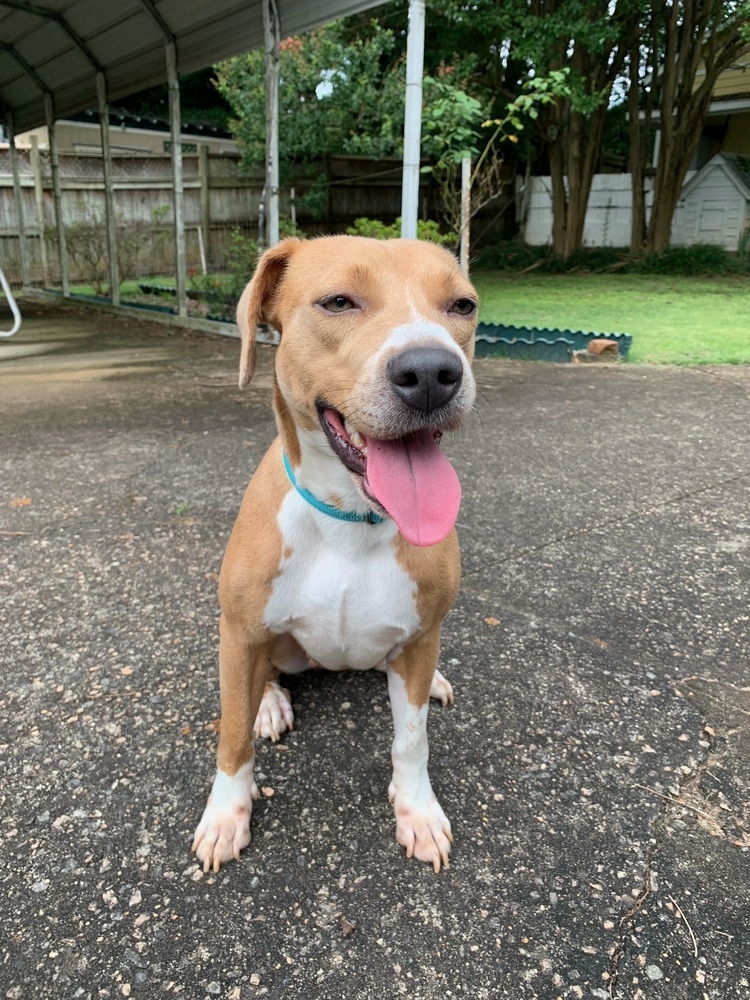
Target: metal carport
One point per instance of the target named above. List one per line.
(63, 56)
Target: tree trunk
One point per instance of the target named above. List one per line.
(637, 153)
(696, 35)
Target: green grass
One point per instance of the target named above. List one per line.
(682, 321)
(126, 288)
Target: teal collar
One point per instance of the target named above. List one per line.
(325, 508)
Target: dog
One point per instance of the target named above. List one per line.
(344, 553)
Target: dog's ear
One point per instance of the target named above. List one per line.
(256, 300)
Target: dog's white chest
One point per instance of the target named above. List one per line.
(340, 592)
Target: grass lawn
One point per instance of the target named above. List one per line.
(683, 321)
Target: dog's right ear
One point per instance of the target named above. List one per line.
(257, 299)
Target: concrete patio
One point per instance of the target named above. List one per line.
(595, 766)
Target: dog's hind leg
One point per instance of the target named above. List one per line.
(275, 715)
(441, 688)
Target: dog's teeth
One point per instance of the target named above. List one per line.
(364, 451)
(357, 440)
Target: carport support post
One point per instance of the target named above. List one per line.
(57, 189)
(36, 169)
(205, 181)
(18, 202)
(412, 120)
(464, 241)
(109, 196)
(272, 38)
(173, 83)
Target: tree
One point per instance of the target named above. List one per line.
(513, 41)
(334, 96)
(674, 64)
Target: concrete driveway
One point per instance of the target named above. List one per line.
(596, 765)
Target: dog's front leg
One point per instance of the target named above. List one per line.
(421, 825)
(225, 826)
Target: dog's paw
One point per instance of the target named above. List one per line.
(425, 833)
(275, 715)
(224, 829)
(441, 689)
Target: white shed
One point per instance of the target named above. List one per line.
(715, 203)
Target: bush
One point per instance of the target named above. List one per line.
(700, 258)
(685, 261)
(377, 230)
(511, 255)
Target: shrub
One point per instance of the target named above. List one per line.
(685, 261)
(377, 230)
(700, 258)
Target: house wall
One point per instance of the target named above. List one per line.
(733, 81)
(738, 133)
(85, 137)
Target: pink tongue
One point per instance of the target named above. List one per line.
(416, 484)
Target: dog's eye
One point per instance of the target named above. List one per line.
(464, 307)
(337, 304)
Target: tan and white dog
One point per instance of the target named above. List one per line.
(344, 553)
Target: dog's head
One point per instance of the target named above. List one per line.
(377, 339)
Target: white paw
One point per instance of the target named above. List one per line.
(425, 833)
(275, 715)
(224, 828)
(441, 689)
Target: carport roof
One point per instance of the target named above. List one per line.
(59, 45)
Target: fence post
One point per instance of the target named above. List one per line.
(109, 196)
(18, 202)
(179, 217)
(272, 37)
(57, 189)
(412, 119)
(36, 169)
(205, 177)
(465, 214)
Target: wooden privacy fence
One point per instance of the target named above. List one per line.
(218, 197)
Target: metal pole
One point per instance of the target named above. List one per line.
(179, 218)
(18, 202)
(465, 214)
(57, 189)
(36, 169)
(205, 179)
(272, 37)
(109, 195)
(412, 120)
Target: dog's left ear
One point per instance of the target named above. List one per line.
(257, 299)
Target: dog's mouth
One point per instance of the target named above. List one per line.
(408, 477)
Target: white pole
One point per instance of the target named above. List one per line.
(465, 214)
(57, 191)
(272, 37)
(412, 120)
(36, 169)
(109, 195)
(175, 123)
(18, 202)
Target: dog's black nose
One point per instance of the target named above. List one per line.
(426, 378)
